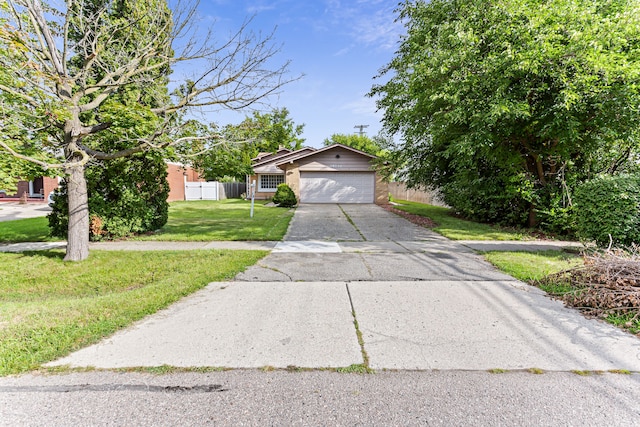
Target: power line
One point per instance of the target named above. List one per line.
(361, 127)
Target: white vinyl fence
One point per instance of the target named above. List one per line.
(201, 191)
(213, 190)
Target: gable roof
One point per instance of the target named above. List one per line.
(281, 156)
(269, 155)
(297, 156)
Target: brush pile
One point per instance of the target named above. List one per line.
(608, 284)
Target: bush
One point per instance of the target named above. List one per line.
(126, 196)
(491, 199)
(284, 196)
(609, 205)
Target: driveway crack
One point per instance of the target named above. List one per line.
(365, 356)
(367, 266)
(352, 223)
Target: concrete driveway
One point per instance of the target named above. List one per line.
(10, 211)
(419, 302)
(365, 243)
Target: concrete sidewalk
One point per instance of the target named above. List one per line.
(312, 246)
(437, 325)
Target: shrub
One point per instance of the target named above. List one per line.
(609, 205)
(284, 196)
(491, 199)
(126, 197)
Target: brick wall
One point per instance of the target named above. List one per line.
(176, 174)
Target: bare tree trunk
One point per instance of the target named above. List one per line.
(78, 231)
(532, 221)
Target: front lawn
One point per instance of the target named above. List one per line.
(528, 266)
(456, 228)
(196, 221)
(26, 230)
(223, 220)
(49, 308)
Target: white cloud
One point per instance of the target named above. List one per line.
(343, 51)
(378, 29)
(261, 7)
(362, 107)
(368, 22)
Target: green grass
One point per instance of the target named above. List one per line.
(223, 220)
(459, 229)
(627, 321)
(528, 266)
(49, 308)
(196, 221)
(25, 230)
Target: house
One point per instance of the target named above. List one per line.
(39, 188)
(35, 190)
(333, 174)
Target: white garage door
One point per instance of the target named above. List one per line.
(337, 187)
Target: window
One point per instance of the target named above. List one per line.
(270, 182)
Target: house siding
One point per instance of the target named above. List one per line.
(292, 178)
(327, 161)
(381, 191)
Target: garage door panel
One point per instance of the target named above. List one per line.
(337, 187)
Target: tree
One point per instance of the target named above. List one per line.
(126, 195)
(64, 84)
(359, 142)
(262, 132)
(506, 105)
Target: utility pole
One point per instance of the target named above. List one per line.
(361, 127)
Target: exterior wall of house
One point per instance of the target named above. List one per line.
(42, 186)
(336, 160)
(23, 187)
(381, 191)
(176, 176)
(292, 178)
(261, 195)
(49, 184)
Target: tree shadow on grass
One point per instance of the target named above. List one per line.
(51, 254)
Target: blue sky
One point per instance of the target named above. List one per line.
(338, 45)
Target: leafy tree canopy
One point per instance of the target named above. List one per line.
(506, 105)
(359, 142)
(261, 132)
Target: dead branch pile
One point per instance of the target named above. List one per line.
(608, 283)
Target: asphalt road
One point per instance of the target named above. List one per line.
(279, 398)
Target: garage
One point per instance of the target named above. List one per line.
(337, 187)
